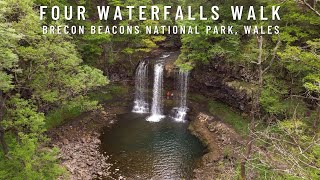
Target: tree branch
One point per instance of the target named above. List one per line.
(274, 53)
(310, 7)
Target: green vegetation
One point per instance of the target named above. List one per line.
(72, 110)
(197, 97)
(69, 111)
(290, 143)
(231, 117)
(224, 112)
(249, 88)
(38, 73)
(109, 93)
(47, 79)
(284, 84)
(118, 90)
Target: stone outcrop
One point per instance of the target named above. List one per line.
(223, 145)
(78, 141)
(224, 82)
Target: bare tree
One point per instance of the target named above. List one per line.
(255, 107)
(2, 130)
(286, 151)
(312, 8)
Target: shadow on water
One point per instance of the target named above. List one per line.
(144, 150)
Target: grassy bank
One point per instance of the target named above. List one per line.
(224, 112)
(108, 93)
(72, 110)
(233, 118)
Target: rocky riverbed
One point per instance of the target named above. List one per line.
(78, 141)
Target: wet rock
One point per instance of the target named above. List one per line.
(65, 141)
(104, 113)
(222, 144)
(83, 140)
(79, 147)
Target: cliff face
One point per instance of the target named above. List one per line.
(124, 68)
(224, 82)
(218, 79)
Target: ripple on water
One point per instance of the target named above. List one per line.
(163, 150)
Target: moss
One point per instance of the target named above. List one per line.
(100, 96)
(224, 112)
(197, 97)
(118, 90)
(70, 111)
(249, 88)
(231, 117)
(108, 93)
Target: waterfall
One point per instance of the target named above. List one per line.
(157, 100)
(141, 87)
(180, 112)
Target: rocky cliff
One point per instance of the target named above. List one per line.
(225, 82)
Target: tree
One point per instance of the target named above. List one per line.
(37, 73)
(306, 62)
(26, 158)
(264, 62)
(8, 62)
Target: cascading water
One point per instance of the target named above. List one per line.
(180, 112)
(157, 100)
(141, 86)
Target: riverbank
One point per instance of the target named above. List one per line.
(222, 141)
(79, 144)
(78, 137)
(223, 145)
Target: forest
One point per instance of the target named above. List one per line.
(253, 98)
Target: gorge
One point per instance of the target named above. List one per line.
(155, 146)
(168, 93)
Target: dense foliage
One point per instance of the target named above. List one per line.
(40, 73)
(286, 85)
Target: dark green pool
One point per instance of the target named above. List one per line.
(144, 150)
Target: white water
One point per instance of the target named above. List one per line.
(141, 87)
(157, 100)
(180, 112)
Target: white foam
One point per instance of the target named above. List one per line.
(155, 118)
(179, 114)
(140, 107)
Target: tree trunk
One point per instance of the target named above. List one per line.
(316, 120)
(2, 130)
(254, 111)
(3, 142)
